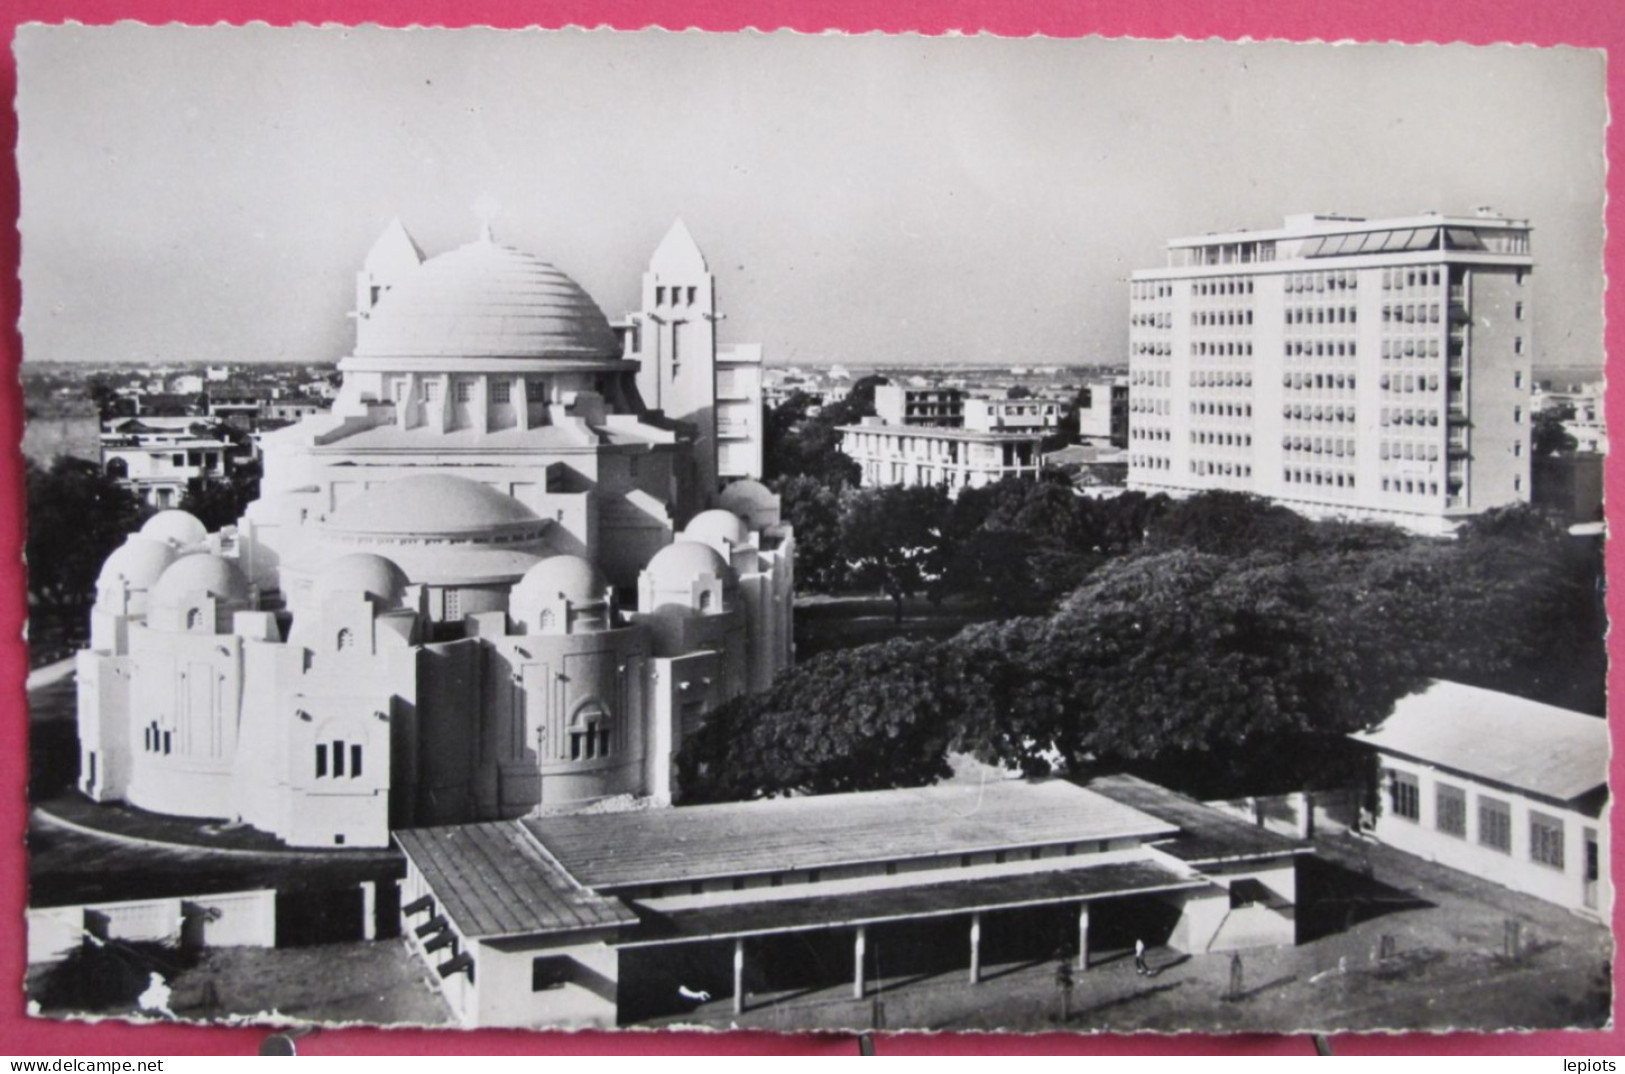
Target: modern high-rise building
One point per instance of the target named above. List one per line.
(1373, 369)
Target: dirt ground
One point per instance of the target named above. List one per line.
(377, 983)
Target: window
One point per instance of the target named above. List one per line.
(1517, 310)
(346, 639)
(464, 391)
(431, 391)
(1545, 840)
(194, 618)
(549, 972)
(1517, 415)
(1450, 810)
(1494, 824)
(1517, 378)
(1517, 345)
(321, 760)
(501, 391)
(1404, 795)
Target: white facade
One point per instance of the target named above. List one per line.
(470, 590)
(715, 393)
(1358, 368)
(158, 457)
(1506, 789)
(924, 455)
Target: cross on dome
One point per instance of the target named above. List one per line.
(485, 207)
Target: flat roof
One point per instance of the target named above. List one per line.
(669, 922)
(940, 432)
(1525, 745)
(1310, 225)
(662, 846)
(1205, 834)
(495, 880)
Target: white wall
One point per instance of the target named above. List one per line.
(1515, 870)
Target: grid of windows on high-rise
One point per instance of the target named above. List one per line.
(1319, 382)
(1424, 337)
(1151, 323)
(1221, 380)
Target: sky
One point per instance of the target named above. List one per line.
(208, 194)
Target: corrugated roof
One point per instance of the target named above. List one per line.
(663, 923)
(1205, 834)
(494, 880)
(659, 846)
(1509, 740)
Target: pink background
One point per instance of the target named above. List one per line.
(1590, 24)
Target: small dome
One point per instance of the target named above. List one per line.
(176, 527)
(377, 577)
(138, 563)
(717, 528)
(679, 563)
(431, 504)
(486, 301)
(217, 576)
(569, 577)
(745, 496)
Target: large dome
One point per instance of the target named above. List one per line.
(486, 301)
(678, 565)
(434, 505)
(379, 578)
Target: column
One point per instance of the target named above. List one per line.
(976, 949)
(369, 909)
(858, 943)
(739, 975)
(1083, 936)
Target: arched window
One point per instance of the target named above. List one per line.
(705, 600)
(118, 469)
(194, 618)
(548, 621)
(346, 639)
(589, 732)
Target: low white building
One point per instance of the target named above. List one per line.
(1508, 789)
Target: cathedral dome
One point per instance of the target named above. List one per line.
(377, 577)
(214, 575)
(745, 496)
(717, 529)
(137, 563)
(683, 561)
(434, 505)
(568, 578)
(484, 300)
(175, 527)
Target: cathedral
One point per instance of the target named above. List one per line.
(517, 561)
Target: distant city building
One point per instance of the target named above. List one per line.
(1103, 412)
(1031, 415)
(67, 427)
(1373, 369)
(158, 457)
(1506, 789)
(924, 436)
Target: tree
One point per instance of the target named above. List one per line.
(859, 719)
(218, 502)
(1019, 391)
(891, 538)
(77, 516)
(1230, 524)
(1547, 435)
(814, 510)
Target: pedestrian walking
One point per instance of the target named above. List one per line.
(1139, 958)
